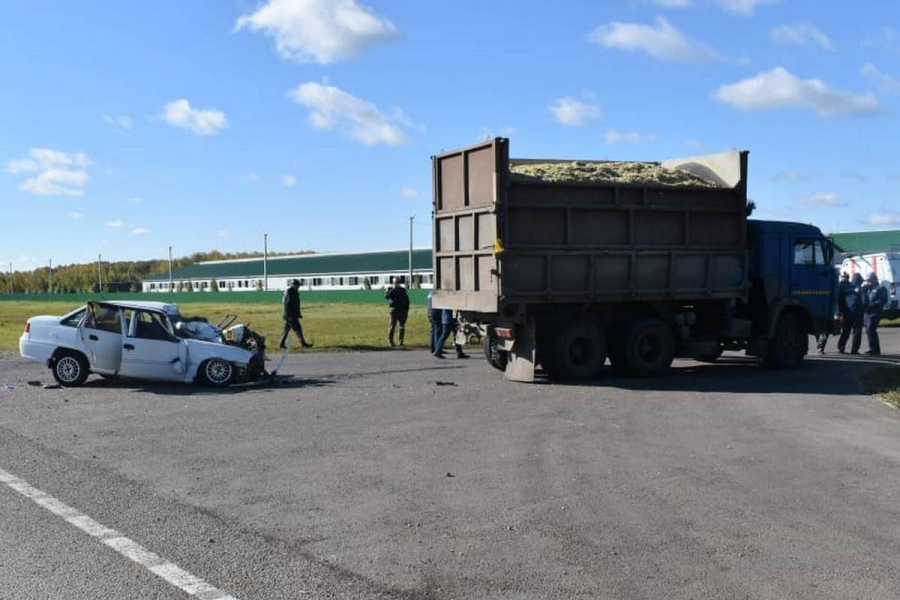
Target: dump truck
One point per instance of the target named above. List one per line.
(564, 264)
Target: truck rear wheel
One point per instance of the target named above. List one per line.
(579, 351)
(649, 348)
(496, 357)
(789, 344)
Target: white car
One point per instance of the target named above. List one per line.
(143, 340)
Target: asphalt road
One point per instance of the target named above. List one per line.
(392, 475)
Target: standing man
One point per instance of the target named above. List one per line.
(448, 326)
(434, 319)
(850, 307)
(874, 297)
(398, 309)
(290, 312)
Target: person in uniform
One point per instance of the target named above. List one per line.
(398, 310)
(874, 297)
(850, 307)
(290, 312)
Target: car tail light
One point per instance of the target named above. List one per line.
(27, 327)
(505, 333)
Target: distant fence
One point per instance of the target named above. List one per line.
(417, 297)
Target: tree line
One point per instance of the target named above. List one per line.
(116, 275)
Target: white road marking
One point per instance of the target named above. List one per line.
(128, 548)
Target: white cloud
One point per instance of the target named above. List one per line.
(409, 193)
(179, 113)
(321, 31)
(661, 41)
(743, 7)
(820, 200)
(802, 34)
(626, 137)
(140, 231)
(572, 112)
(672, 3)
(333, 108)
(779, 88)
(223, 234)
(136, 200)
(889, 84)
(58, 173)
(114, 224)
(252, 177)
(888, 39)
(120, 123)
(884, 219)
(288, 180)
(76, 215)
(792, 176)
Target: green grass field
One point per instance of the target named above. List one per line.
(328, 326)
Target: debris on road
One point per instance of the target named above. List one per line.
(445, 383)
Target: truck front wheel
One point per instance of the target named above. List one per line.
(789, 344)
(579, 351)
(649, 348)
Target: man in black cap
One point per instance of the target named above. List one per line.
(290, 312)
(398, 309)
(874, 297)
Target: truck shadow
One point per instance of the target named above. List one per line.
(837, 375)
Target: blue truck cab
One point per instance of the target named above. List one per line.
(793, 291)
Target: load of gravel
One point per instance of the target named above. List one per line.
(634, 173)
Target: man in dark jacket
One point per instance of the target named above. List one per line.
(850, 307)
(290, 312)
(398, 309)
(434, 320)
(874, 297)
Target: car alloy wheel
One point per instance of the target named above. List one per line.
(218, 371)
(68, 369)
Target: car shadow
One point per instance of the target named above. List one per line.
(826, 375)
(186, 389)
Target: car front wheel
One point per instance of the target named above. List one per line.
(217, 372)
(70, 369)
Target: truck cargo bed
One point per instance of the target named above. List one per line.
(503, 240)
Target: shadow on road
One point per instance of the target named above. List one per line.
(827, 375)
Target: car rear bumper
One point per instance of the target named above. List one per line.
(38, 352)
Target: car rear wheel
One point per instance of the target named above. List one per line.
(216, 372)
(70, 369)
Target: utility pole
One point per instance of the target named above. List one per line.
(171, 289)
(99, 275)
(50, 276)
(266, 262)
(409, 281)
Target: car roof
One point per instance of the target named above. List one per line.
(144, 305)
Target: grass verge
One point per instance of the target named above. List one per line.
(884, 382)
(328, 326)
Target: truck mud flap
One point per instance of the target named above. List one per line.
(520, 366)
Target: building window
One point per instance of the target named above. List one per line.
(221, 284)
(353, 281)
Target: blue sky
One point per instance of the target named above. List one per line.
(126, 127)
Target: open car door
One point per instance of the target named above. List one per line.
(101, 334)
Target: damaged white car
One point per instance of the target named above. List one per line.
(143, 340)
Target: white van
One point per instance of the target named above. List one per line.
(886, 266)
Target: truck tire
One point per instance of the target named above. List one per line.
(649, 348)
(70, 369)
(578, 351)
(789, 344)
(496, 357)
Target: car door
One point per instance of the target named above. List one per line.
(101, 335)
(813, 278)
(150, 350)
